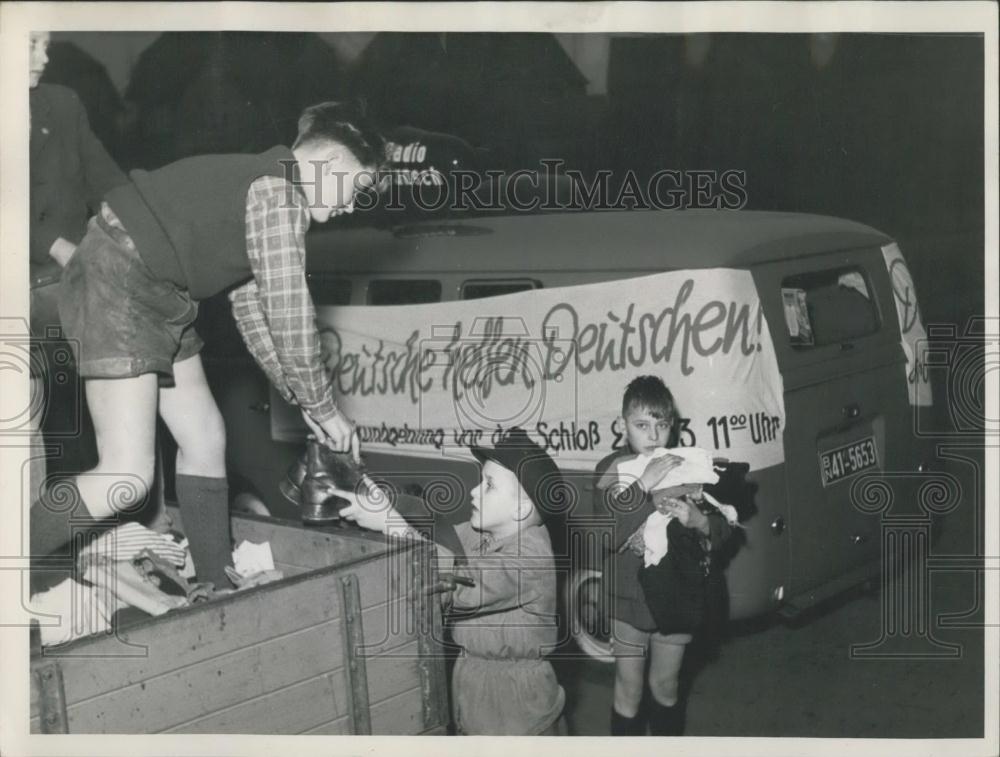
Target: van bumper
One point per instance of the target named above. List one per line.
(798, 604)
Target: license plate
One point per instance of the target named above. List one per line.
(837, 464)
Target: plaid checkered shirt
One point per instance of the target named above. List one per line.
(274, 311)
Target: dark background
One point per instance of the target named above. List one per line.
(886, 129)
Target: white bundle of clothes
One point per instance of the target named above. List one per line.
(696, 468)
(72, 609)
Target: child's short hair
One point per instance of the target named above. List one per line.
(650, 393)
(345, 124)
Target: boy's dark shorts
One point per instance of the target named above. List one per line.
(120, 320)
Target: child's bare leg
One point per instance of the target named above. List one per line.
(630, 646)
(190, 412)
(629, 675)
(666, 717)
(666, 656)
(124, 415)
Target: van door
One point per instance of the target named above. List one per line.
(837, 342)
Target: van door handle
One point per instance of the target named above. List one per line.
(851, 411)
(261, 407)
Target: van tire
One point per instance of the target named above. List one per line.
(584, 608)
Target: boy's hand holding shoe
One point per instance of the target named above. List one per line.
(371, 508)
(338, 433)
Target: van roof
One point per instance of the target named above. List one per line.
(589, 241)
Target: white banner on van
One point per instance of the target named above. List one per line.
(913, 337)
(431, 379)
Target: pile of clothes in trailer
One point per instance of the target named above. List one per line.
(130, 572)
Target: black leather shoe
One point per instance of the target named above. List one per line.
(291, 485)
(324, 471)
(323, 459)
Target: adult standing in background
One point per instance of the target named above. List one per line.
(70, 169)
(70, 172)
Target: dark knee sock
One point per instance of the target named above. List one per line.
(627, 726)
(666, 721)
(56, 517)
(204, 507)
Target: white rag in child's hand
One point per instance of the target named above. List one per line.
(696, 468)
(654, 537)
(654, 532)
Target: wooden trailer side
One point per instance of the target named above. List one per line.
(337, 648)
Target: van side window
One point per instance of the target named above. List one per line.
(403, 291)
(473, 289)
(327, 289)
(828, 307)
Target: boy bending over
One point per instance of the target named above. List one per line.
(129, 297)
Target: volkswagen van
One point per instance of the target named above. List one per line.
(791, 343)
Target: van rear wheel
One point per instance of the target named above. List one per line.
(587, 610)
